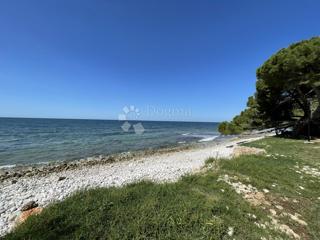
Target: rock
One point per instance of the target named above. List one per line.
(252, 215)
(12, 217)
(3, 173)
(17, 174)
(273, 212)
(296, 218)
(24, 215)
(61, 178)
(30, 169)
(14, 181)
(29, 205)
(230, 231)
(2, 211)
(13, 209)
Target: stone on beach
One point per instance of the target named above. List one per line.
(61, 178)
(29, 205)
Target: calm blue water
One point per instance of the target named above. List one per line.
(25, 141)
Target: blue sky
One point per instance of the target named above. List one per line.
(89, 59)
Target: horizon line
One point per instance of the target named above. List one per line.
(99, 119)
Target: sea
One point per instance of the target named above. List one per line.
(25, 141)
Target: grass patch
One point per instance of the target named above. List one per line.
(193, 208)
(196, 207)
(278, 172)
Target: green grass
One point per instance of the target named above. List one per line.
(194, 207)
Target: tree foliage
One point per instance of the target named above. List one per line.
(288, 86)
(287, 91)
(246, 120)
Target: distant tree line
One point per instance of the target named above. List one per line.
(287, 93)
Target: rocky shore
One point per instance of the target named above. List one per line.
(14, 173)
(46, 184)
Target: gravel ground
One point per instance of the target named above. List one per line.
(49, 188)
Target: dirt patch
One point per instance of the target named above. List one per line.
(242, 150)
(250, 193)
(261, 199)
(26, 214)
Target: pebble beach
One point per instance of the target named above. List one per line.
(54, 186)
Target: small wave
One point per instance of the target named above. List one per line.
(9, 140)
(185, 134)
(183, 142)
(7, 166)
(208, 139)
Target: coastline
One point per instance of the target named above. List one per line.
(47, 184)
(9, 172)
(27, 142)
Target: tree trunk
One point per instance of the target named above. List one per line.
(316, 113)
(309, 120)
(303, 103)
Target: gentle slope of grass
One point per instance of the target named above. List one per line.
(196, 207)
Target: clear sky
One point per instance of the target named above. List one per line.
(89, 59)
